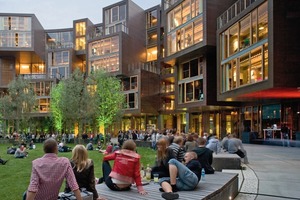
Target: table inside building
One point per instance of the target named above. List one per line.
(273, 131)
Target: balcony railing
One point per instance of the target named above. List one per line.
(167, 107)
(60, 46)
(233, 11)
(34, 76)
(167, 89)
(167, 71)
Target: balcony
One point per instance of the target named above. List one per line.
(168, 106)
(167, 89)
(233, 11)
(167, 71)
(33, 76)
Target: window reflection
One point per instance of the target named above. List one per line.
(252, 66)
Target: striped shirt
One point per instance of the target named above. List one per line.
(178, 151)
(48, 174)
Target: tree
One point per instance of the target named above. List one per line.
(17, 105)
(108, 99)
(70, 100)
(56, 107)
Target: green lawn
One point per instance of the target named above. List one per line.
(15, 175)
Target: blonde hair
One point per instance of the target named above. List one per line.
(193, 154)
(80, 157)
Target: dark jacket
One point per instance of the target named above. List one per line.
(162, 167)
(195, 166)
(205, 158)
(85, 179)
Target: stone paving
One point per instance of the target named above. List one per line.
(272, 173)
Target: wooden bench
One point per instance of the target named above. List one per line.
(215, 187)
(226, 160)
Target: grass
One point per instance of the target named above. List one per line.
(15, 175)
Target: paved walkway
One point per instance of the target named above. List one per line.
(273, 173)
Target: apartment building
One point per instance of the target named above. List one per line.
(191, 65)
(258, 63)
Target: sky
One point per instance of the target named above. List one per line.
(57, 14)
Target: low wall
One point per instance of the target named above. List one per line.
(226, 161)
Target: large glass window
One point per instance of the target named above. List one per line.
(224, 44)
(80, 43)
(266, 62)
(244, 69)
(256, 65)
(34, 68)
(58, 58)
(191, 91)
(131, 101)
(107, 63)
(184, 37)
(151, 54)
(151, 18)
(152, 38)
(184, 12)
(245, 33)
(198, 31)
(104, 46)
(263, 21)
(233, 40)
(15, 31)
(115, 14)
(189, 69)
(59, 40)
(252, 66)
(254, 26)
(15, 23)
(80, 28)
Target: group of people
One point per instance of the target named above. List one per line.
(234, 145)
(178, 165)
(49, 172)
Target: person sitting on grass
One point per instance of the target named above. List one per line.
(21, 152)
(48, 174)
(182, 177)
(89, 146)
(3, 162)
(108, 149)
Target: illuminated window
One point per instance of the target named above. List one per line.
(80, 28)
(263, 21)
(191, 91)
(151, 18)
(151, 54)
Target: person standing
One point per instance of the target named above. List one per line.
(48, 174)
(205, 156)
(285, 135)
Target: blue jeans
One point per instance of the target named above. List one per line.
(186, 180)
